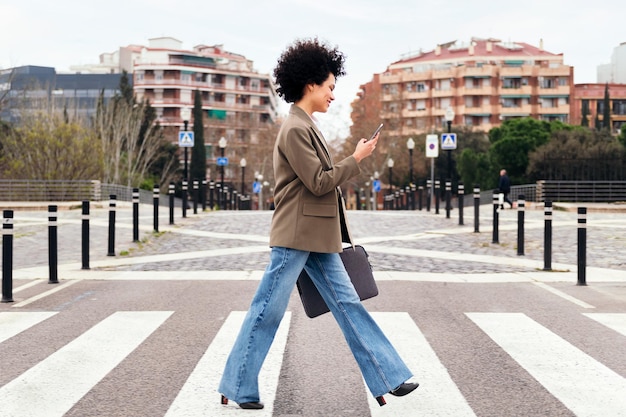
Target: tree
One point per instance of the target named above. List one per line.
(584, 121)
(606, 114)
(45, 147)
(514, 139)
(197, 168)
(579, 154)
(622, 136)
(131, 140)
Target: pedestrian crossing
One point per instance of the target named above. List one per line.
(51, 387)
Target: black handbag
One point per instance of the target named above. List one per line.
(355, 259)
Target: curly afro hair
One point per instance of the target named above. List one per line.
(306, 61)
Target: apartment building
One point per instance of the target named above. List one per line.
(589, 99)
(240, 103)
(484, 82)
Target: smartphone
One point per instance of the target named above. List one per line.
(376, 132)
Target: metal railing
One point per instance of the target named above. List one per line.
(62, 190)
(582, 191)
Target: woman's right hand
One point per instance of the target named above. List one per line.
(365, 148)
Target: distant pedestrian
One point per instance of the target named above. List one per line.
(504, 185)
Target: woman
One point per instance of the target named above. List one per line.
(306, 232)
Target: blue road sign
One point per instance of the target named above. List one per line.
(376, 185)
(256, 187)
(185, 139)
(448, 141)
(222, 161)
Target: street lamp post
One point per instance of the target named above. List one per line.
(259, 178)
(449, 118)
(242, 163)
(410, 144)
(222, 145)
(185, 114)
(390, 166)
(374, 192)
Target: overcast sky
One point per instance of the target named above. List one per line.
(373, 34)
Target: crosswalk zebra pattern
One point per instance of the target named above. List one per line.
(53, 386)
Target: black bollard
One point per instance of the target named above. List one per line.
(476, 208)
(196, 187)
(547, 237)
(135, 214)
(53, 242)
(521, 204)
(448, 198)
(496, 204)
(155, 207)
(184, 199)
(203, 194)
(429, 193)
(7, 256)
(112, 203)
(461, 192)
(413, 190)
(582, 245)
(85, 234)
(211, 194)
(420, 192)
(437, 187)
(171, 193)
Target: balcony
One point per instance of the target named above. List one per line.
(416, 95)
(562, 109)
(476, 91)
(486, 71)
(523, 110)
(390, 79)
(443, 93)
(410, 113)
(560, 91)
(560, 71)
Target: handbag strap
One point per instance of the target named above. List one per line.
(343, 218)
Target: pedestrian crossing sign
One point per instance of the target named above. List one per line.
(448, 141)
(185, 139)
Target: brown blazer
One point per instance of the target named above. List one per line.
(308, 211)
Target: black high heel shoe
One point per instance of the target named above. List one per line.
(246, 406)
(401, 391)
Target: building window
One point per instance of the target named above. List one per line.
(619, 107)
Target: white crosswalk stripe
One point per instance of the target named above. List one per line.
(438, 395)
(615, 321)
(14, 322)
(53, 386)
(581, 383)
(199, 397)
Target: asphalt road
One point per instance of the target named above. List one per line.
(486, 331)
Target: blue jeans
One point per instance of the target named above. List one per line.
(380, 364)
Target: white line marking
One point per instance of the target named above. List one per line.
(199, 396)
(563, 295)
(584, 385)
(52, 387)
(14, 322)
(26, 286)
(437, 394)
(57, 288)
(614, 321)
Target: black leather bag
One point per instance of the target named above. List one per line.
(355, 259)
